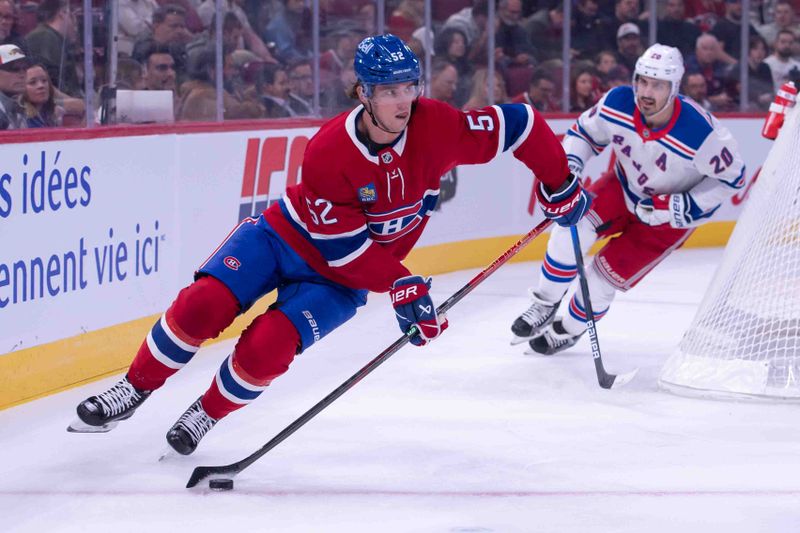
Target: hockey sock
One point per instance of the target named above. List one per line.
(559, 268)
(264, 352)
(601, 294)
(200, 312)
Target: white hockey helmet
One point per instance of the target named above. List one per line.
(662, 63)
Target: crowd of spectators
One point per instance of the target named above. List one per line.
(168, 45)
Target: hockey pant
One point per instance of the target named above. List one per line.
(251, 261)
(632, 252)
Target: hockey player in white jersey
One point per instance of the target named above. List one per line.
(675, 165)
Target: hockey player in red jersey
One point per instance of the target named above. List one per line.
(675, 165)
(370, 181)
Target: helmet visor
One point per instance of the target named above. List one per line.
(396, 93)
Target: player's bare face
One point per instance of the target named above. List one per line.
(391, 106)
(652, 96)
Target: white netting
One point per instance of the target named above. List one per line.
(745, 338)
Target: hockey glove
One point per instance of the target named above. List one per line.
(567, 205)
(413, 307)
(663, 209)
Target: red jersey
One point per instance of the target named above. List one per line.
(356, 215)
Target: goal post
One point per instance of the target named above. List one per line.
(744, 340)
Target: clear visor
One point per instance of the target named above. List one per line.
(396, 94)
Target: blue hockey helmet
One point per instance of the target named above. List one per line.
(383, 60)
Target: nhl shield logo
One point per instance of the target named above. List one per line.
(386, 157)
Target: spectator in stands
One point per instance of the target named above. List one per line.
(617, 76)
(159, 68)
(695, 88)
(760, 86)
(480, 94)
(232, 31)
(471, 21)
(337, 57)
(629, 45)
(38, 100)
(52, 43)
(584, 90)
(199, 94)
(169, 33)
(334, 98)
(784, 19)
(366, 18)
(249, 38)
(729, 30)
(674, 30)
(451, 44)
(408, 16)
(545, 29)
(625, 11)
(513, 46)
(301, 88)
(417, 41)
(135, 18)
(604, 62)
(540, 93)
(13, 64)
(290, 30)
(444, 80)
(8, 26)
(707, 60)
(587, 29)
(130, 74)
(781, 62)
(273, 86)
(705, 13)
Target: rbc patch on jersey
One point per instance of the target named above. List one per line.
(367, 193)
(232, 263)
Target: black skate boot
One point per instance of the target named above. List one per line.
(101, 413)
(554, 339)
(531, 322)
(192, 426)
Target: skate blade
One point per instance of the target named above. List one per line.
(168, 454)
(519, 340)
(79, 426)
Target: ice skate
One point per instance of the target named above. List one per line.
(192, 426)
(531, 322)
(553, 339)
(101, 413)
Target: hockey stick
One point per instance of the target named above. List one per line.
(202, 473)
(605, 379)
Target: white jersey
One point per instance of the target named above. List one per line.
(693, 154)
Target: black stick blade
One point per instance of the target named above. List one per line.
(202, 473)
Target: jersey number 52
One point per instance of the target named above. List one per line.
(483, 123)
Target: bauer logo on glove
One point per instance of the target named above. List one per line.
(413, 307)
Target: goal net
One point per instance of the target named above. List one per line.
(745, 339)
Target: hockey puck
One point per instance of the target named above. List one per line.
(220, 484)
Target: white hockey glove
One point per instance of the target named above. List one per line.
(663, 209)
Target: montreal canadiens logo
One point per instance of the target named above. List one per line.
(232, 263)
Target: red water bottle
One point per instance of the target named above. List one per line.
(784, 100)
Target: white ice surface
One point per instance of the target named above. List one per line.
(466, 435)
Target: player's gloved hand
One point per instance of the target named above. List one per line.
(567, 205)
(413, 307)
(663, 209)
